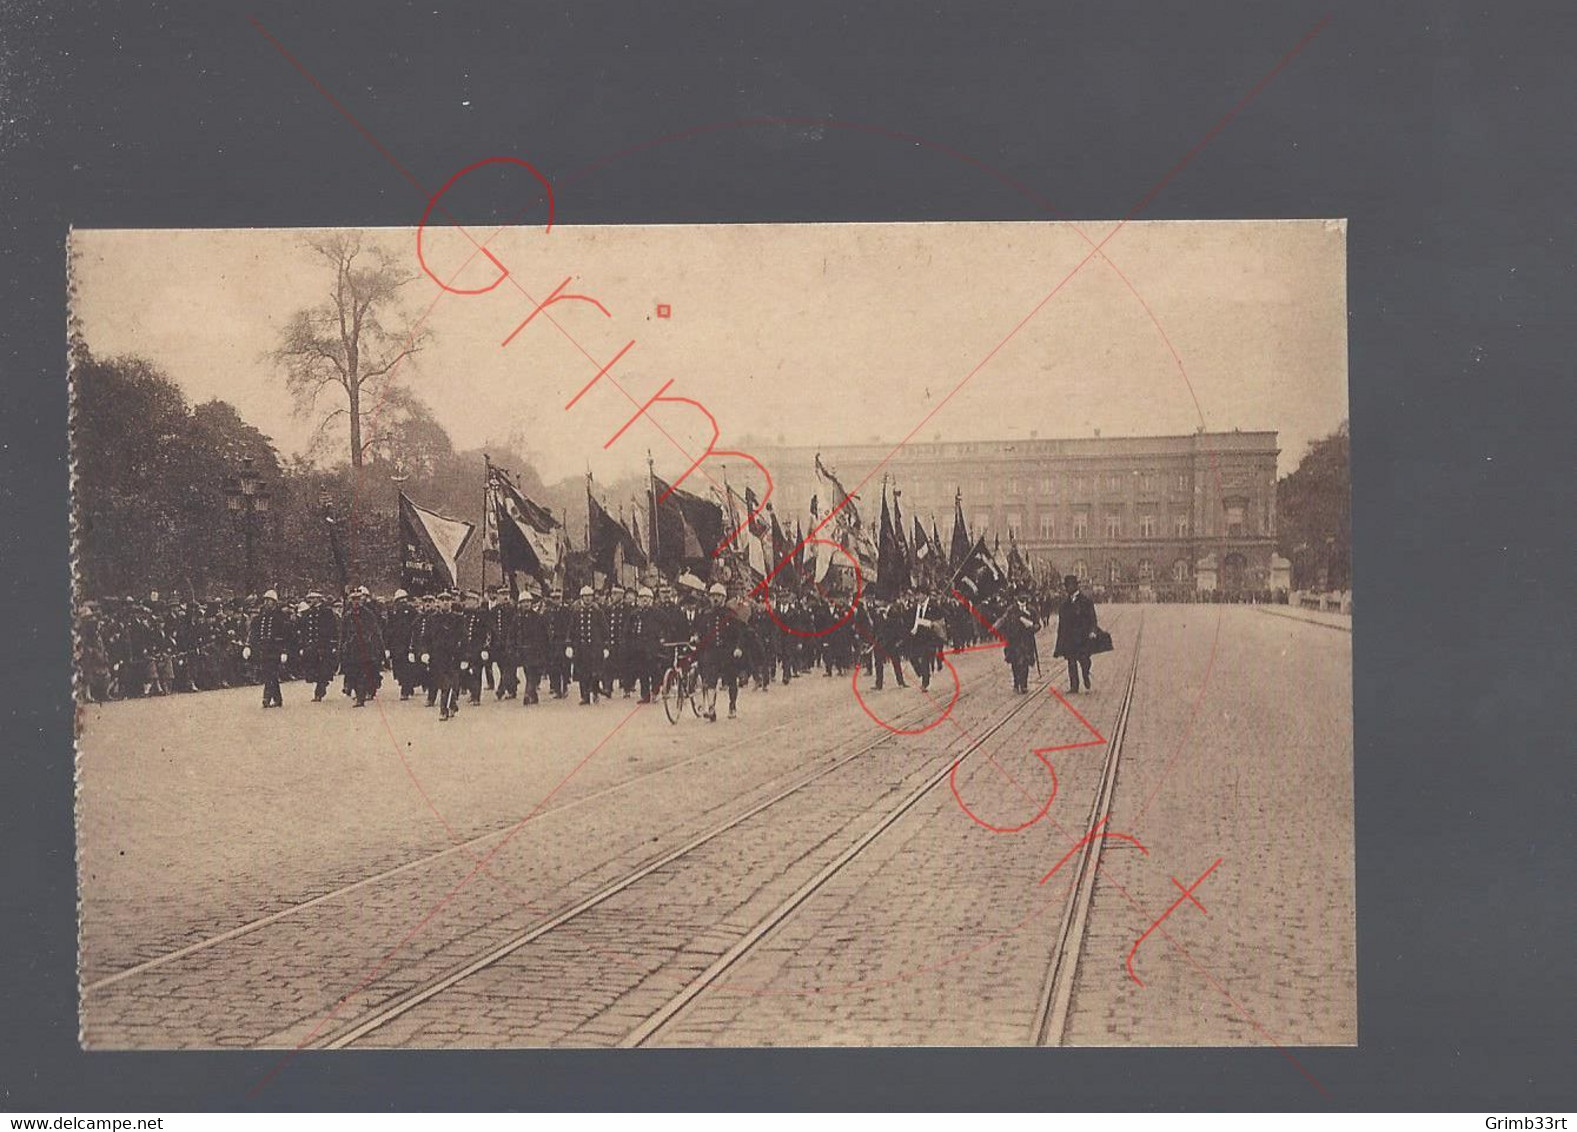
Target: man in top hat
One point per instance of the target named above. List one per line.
(587, 647)
(529, 643)
(268, 646)
(1076, 625)
(475, 645)
(361, 647)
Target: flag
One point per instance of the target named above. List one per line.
(688, 528)
(609, 544)
(635, 536)
(978, 578)
(846, 528)
(961, 541)
(430, 548)
(901, 535)
(924, 556)
(529, 539)
(1018, 569)
(892, 568)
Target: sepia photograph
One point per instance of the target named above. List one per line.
(520, 635)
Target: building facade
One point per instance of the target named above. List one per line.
(1147, 513)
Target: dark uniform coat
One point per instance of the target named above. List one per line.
(1075, 625)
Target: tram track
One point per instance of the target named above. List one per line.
(1051, 1017)
(371, 1024)
(1065, 959)
(291, 910)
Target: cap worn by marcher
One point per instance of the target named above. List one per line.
(270, 595)
(585, 591)
(719, 589)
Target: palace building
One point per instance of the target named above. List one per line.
(1160, 514)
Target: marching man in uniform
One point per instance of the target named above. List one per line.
(720, 637)
(529, 644)
(588, 645)
(268, 646)
(475, 645)
(361, 647)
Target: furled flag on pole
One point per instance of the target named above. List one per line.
(892, 572)
(961, 542)
(530, 540)
(1018, 569)
(902, 538)
(430, 548)
(924, 559)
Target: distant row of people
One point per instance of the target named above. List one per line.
(448, 646)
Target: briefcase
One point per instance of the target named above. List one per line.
(1100, 641)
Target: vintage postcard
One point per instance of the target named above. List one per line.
(725, 635)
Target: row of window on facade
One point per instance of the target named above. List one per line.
(1079, 529)
(1182, 571)
(1234, 514)
(983, 488)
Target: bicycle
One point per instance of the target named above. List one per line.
(682, 683)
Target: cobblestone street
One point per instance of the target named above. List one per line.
(559, 875)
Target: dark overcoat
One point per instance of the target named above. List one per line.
(1075, 625)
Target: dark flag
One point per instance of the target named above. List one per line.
(780, 542)
(936, 551)
(892, 567)
(530, 539)
(638, 558)
(901, 536)
(924, 556)
(430, 548)
(688, 529)
(1018, 569)
(961, 542)
(978, 577)
(607, 540)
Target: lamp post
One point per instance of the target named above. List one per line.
(246, 497)
(398, 478)
(326, 502)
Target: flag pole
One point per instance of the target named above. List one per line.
(487, 506)
(651, 515)
(588, 525)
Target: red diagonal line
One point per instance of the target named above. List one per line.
(1087, 724)
(1095, 250)
(1189, 892)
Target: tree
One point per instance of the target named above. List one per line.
(355, 342)
(1314, 514)
(149, 477)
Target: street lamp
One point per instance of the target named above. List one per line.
(246, 497)
(326, 502)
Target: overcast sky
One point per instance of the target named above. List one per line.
(818, 333)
